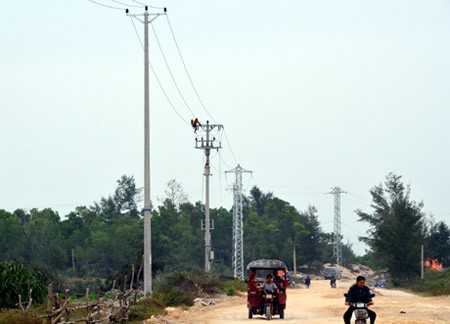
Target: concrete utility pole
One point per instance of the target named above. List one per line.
(147, 201)
(238, 229)
(207, 144)
(337, 251)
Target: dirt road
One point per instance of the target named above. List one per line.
(322, 304)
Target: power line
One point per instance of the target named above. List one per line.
(187, 72)
(229, 146)
(101, 4)
(170, 72)
(126, 4)
(143, 4)
(194, 87)
(157, 78)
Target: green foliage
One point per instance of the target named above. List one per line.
(369, 260)
(233, 287)
(17, 279)
(435, 283)
(437, 243)
(396, 229)
(144, 309)
(175, 289)
(78, 287)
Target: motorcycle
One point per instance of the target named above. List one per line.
(270, 300)
(360, 312)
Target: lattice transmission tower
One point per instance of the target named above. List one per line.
(238, 231)
(337, 250)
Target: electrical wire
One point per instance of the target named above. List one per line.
(187, 72)
(143, 4)
(157, 78)
(126, 4)
(101, 4)
(226, 164)
(195, 89)
(170, 72)
(229, 146)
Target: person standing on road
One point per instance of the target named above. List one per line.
(333, 282)
(359, 292)
(307, 282)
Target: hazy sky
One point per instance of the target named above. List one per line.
(312, 95)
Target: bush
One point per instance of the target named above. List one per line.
(435, 283)
(17, 279)
(231, 287)
(144, 309)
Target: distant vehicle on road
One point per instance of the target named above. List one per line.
(381, 283)
(332, 271)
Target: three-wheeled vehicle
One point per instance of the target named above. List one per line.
(259, 301)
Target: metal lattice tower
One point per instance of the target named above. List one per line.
(238, 230)
(207, 144)
(337, 250)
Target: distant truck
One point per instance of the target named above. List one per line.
(332, 271)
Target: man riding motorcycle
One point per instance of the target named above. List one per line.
(359, 292)
(268, 286)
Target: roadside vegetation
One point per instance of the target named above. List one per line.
(94, 245)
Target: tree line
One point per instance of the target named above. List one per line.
(103, 239)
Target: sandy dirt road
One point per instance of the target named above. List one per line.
(322, 304)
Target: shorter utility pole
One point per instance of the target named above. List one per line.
(337, 250)
(238, 227)
(421, 262)
(207, 144)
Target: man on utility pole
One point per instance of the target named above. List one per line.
(207, 144)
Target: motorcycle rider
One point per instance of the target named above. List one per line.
(268, 286)
(333, 282)
(359, 292)
(278, 281)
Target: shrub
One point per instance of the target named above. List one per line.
(144, 309)
(17, 279)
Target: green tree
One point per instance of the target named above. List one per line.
(259, 199)
(45, 240)
(396, 229)
(12, 238)
(311, 241)
(438, 243)
(127, 196)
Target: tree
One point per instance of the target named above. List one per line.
(396, 229)
(12, 238)
(438, 243)
(127, 196)
(311, 242)
(259, 199)
(175, 193)
(45, 239)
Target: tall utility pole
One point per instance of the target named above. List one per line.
(147, 201)
(238, 229)
(337, 251)
(207, 144)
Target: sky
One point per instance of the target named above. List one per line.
(311, 95)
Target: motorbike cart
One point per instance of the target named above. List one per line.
(266, 303)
